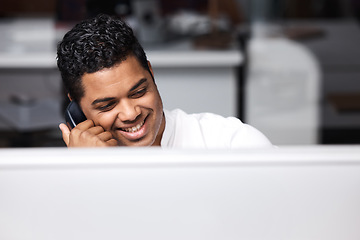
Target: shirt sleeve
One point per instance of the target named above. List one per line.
(248, 136)
(230, 132)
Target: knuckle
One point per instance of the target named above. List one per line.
(75, 131)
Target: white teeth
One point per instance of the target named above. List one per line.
(133, 129)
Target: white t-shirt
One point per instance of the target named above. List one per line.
(207, 130)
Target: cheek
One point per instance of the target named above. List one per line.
(106, 120)
(153, 101)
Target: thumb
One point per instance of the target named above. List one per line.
(65, 133)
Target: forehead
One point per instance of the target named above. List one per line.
(120, 77)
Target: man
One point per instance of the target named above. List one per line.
(105, 70)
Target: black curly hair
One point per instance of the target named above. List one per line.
(92, 45)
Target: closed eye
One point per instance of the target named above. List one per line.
(106, 107)
(139, 93)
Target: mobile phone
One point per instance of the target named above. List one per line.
(73, 114)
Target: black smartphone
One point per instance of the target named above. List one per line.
(73, 114)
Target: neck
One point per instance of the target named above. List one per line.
(157, 141)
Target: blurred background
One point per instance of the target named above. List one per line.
(288, 67)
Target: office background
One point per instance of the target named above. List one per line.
(309, 94)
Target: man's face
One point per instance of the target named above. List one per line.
(125, 101)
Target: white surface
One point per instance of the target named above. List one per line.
(229, 58)
(124, 193)
(28, 60)
(283, 91)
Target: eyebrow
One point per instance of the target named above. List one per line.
(138, 84)
(100, 100)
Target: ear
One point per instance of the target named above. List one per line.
(69, 96)
(152, 73)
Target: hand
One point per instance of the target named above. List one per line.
(86, 134)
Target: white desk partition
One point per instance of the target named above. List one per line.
(121, 193)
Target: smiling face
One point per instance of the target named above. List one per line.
(125, 101)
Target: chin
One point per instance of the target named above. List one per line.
(136, 143)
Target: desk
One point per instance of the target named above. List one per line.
(195, 81)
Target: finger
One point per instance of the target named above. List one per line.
(96, 130)
(112, 142)
(65, 133)
(83, 126)
(105, 136)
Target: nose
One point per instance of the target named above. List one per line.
(128, 111)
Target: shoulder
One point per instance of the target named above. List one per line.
(211, 131)
(231, 131)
